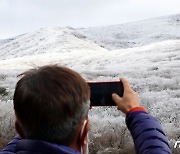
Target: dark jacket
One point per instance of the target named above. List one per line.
(146, 131)
(26, 146)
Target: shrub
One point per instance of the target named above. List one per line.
(3, 91)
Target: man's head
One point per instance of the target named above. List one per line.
(50, 104)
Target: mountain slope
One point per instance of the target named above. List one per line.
(46, 40)
(135, 34)
(4, 41)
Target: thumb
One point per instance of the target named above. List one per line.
(116, 98)
(119, 101)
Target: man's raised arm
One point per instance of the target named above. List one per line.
(146, 130)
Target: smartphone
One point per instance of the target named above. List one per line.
(101, 92)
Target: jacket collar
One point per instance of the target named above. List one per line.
(38, 146)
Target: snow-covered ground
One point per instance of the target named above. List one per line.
(151, 65)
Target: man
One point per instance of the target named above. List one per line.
(51, 105)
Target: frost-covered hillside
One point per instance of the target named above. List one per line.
(151, 65)
(4, 41)
(46, 40)
(137, 33)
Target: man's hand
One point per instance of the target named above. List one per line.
(129, 100)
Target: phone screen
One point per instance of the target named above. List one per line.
(101, 92)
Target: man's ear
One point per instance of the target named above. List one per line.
(84, 132)
(18, 129)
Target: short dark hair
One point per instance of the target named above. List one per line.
(50, 102)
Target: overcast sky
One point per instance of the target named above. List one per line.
(21, 16)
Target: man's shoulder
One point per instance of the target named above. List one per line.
(27, 146)
(38, 146)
